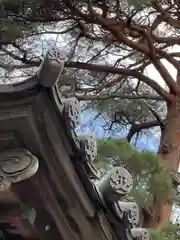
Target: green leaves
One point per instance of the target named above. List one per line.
(169, 232)
(151, 179)
(139, 4)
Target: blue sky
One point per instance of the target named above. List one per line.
(149, 142)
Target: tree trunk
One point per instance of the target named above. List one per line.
(169, 149)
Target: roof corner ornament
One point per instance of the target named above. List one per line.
(89, 145)
(116, 184)
(72, 111)
(15, 166)
(132, 209)
(19, 164)
(51, 67)
(5, 183)
(140, 233)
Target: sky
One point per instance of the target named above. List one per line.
(146, 142)
(153, 73)
(149, 142)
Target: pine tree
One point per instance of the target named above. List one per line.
(110, 45)
(152, 180)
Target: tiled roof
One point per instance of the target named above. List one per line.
(47, 172)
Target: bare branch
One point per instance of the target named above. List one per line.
(165, 75)
(122, 71)
(105, 97)
(136, 128)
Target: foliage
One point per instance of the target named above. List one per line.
(11, 30)
(151, 179)
(112, 47)
(139, 4)
(24, 32)
(169, 232)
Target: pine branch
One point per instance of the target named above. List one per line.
(122, 71)
(136, 128)
(105, 97)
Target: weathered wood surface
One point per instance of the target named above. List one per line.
(56, 192)
(65, 203)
